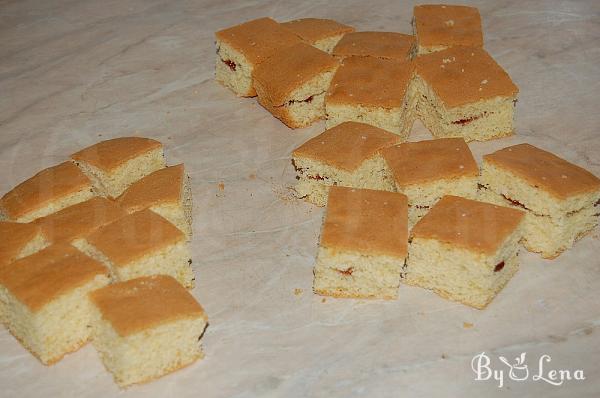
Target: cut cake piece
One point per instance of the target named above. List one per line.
(243, 47)
(464, 93)
(440, 26)
(44, 303)
(48, 191)
(292, 85)
(146, 328)
(385, 45)
(363, 244)
(323, 34)
(140, 244)
(345, 155)
(114, 164)
(166, 192)
(373, 91)
(425, 171)
(561, 199)
(77, 221)
(19, 240)
(464, 250)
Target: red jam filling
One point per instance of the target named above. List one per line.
(468, 120)
(231, 64)
(347, 272)
(316, 177)
(515, 202)
(499, 267)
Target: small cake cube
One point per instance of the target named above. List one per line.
(77, 221)
(44, 302)
(243, 47)
(439, 26)
(464, 250)
(114, 164)
(373, 91)
(48, 191)
(140, 244)
(19, 240)
(464, 93)
(363, 244)
(346, 155)
(166, 192)
(323, 34)
(561, 199)
(427, 170)
(292, 85)
(385, 45)
(146, 328)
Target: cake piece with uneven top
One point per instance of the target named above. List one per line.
(166, 192)
(464, 250)
(114, 164)
(292, 85)
(241, 48)
(562, 200)
(146, 328)
(373, 91)
(140, 244)
(44, 300)
(440, 26)
(345, 155)
(463, 92)
(47, 192)
(425, 171)
(363, 244)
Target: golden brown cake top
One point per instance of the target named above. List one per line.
(431, 160)
(290, 69)
(80, 219)
(463, 75)
(111, 154)
(258, 39)
(370, 82)
(38, 279)
(468, 224)
(47, 186)
(347, 145)
(387, 45)
(314, 29)
(13, 238)
(544, 170)
(446, 25)
(162, 186)
(366, 221)
(145, 303)
(132, 237)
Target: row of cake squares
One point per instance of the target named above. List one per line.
(463, 250)
(561, 200)
(452, 85)
(96, 249)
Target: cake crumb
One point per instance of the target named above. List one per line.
(449, 22)
(444, 356)
(252, 176)
(467, 325)
(221, 186)
(323, 300)
(298, 291)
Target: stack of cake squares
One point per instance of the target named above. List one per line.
(310, 69)
(465, 225)
(96, 248)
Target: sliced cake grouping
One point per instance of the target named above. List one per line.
(440, 74)
(113, 217)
